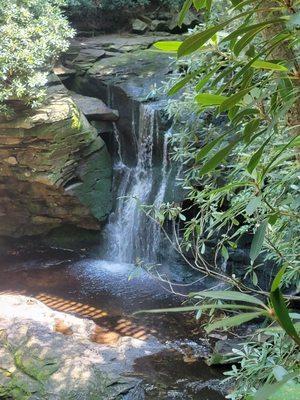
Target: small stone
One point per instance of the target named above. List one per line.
(61, 327)
(11, 160)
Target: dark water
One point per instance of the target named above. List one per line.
(109, 293)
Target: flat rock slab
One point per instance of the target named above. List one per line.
(118, 42)
(46, 354)
(94, 109)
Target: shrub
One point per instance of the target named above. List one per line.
(76, 6)
(32, 35)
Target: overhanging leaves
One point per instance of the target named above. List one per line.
(258, 240)
(282, 315)
(236, 320)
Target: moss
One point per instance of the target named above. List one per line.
(71, 237)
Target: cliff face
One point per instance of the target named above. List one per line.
(54, 169)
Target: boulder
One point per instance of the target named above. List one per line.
(54, 169)
(159, 26)
(40, 360)
(94, 109)
(139, 26)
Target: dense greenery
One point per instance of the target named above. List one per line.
(33, 33)
(75, 6)
(236, 130)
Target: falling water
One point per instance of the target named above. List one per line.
(131, 234)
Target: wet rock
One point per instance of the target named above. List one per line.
(43, 153)
(94, 109)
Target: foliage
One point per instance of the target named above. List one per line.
(236, 132)
(250, 306)
(266, 360)
(33, 34)
(91, 6)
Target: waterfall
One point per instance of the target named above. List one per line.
(132, 235)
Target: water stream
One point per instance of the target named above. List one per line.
(130, 233)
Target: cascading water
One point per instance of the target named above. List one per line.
(130, 233)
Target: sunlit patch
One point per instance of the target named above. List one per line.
(107, 329)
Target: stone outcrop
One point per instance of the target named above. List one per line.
(54, 169)
(94, 109)
(127, 75)
(45, 354)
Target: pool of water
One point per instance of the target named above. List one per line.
(109, 293)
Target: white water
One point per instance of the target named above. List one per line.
(131, 234)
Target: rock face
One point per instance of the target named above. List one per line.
(41, 361)
(94, 109)
(54, 169)
(128, 75)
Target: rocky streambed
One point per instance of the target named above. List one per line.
(68, 332)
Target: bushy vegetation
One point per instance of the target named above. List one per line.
(33, 34)
(236, 131)
(90, 6)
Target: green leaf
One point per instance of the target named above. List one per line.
(204, 81)
(236, 320)
(217, 158)
(245, 29)
(231, 186)
(258, 240)
(245, 40)
(207, 99)
(253, 205)
(185, 8)
(234, 99)
(171, 46)
(278, 278)
(273, 160)
(249, 129)
(224, 253)
(198, 4)
(228, 295)
(254, 160)
(203, 307)
(180, 84)
(268, 389)
(282, 314)
(245, 113)
(260, 64)
(196, 41)
(208, 147)
(198, 315)
(208, 5)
